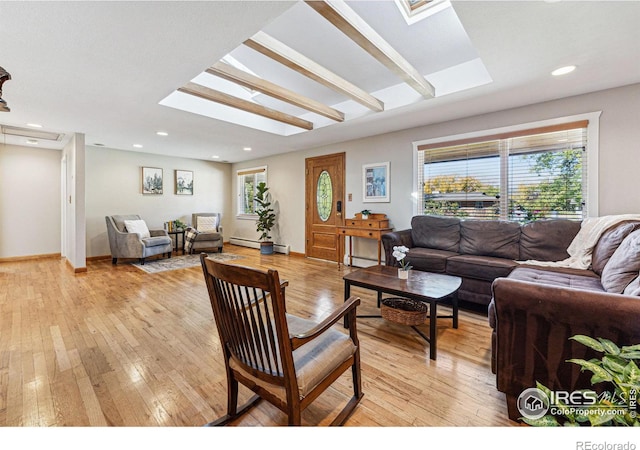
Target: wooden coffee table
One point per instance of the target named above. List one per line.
(426, 287)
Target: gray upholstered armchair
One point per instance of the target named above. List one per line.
(127, 244)
(209, 232)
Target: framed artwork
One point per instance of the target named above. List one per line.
(152, 181)
(375, 182)
(184, 182)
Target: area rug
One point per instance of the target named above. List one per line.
(181, 262)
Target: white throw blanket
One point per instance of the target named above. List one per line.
(581, 247)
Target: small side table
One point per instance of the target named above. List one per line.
(372, 228)
(177, 233)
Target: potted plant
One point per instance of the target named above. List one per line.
(266, 218)
(400, 253)
(365, 214)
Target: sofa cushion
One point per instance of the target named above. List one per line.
(475, 291)
(555, 278)
(609, 242)
(498, 238)
(157, 240)
(633, 288)
(480, 267)
(428, 259)
(441, 233)
(547, 240)
(623, 266)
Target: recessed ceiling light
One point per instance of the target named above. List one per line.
(32, 141)
(137, 145)
(162, 133)
(247, 149)
(215, 157)
(563, 70)
(34, 125)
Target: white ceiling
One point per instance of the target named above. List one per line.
(101, 68)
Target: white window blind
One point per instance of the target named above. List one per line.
(248, 180)
(521, 176)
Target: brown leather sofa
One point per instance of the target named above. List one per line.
(479, 251)
(535, 310)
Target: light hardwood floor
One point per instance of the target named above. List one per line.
(116, 346)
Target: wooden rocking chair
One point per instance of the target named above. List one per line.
(284, 359)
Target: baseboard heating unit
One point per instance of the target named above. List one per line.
(279, 248)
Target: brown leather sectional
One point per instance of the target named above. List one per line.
(479, 251)
(533, 309)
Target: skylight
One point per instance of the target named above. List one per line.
(306, 70)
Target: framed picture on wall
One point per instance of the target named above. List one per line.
(152, 181)
(184, 182)
(375, 182)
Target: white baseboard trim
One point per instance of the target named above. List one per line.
(361, 262)
(252, 243)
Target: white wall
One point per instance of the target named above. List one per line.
(73, 213)
(29, 201)
(619, 159)
(114, 186)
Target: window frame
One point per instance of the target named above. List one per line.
(592, 149)
(240, 175)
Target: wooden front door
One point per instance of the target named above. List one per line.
(324, 189)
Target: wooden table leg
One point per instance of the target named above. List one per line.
(433, 332)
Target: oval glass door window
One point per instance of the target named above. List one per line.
(324, 195)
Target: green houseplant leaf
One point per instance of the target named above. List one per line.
(266, 215)
(588, 341)
(616, 406)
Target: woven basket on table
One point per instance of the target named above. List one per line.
(404, 311)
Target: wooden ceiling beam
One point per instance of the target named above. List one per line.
(230, 73)
(276, 50)
(338, 13)
(245, 105)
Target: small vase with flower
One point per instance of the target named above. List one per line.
(400, 253)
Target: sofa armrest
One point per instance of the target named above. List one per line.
(390, 240)
(534, 323)
(158, 233)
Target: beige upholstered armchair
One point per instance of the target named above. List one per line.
(209, 232)
(129, 237)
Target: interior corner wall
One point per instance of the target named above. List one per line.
(114, 186)
(73, 210)
(29, 201)
(618, 162)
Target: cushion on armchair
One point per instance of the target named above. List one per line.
(207, 224)
(137, 226)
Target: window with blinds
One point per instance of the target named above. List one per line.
(248, 180)
(521, 176)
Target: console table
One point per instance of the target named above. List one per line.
(371, 228)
